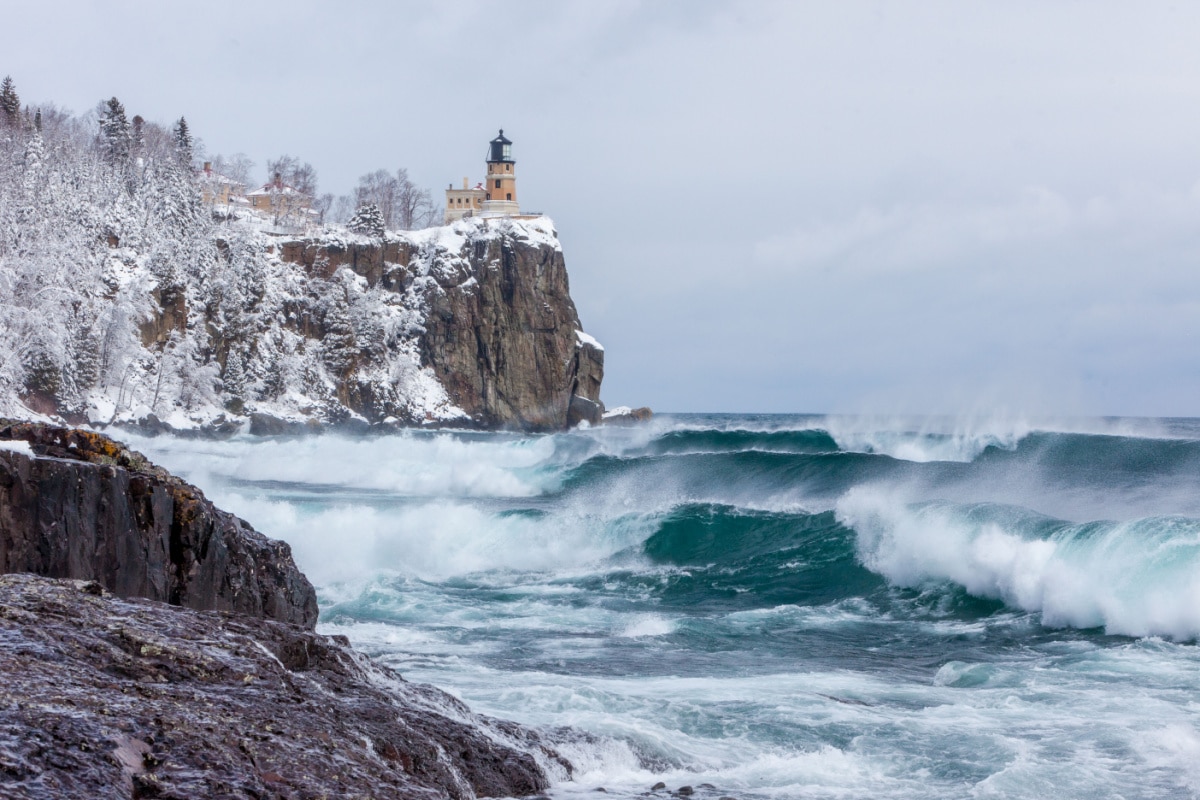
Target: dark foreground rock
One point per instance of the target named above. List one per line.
(108, 698)
(231, 696)
(86, 507)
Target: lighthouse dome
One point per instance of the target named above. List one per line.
(500, 149)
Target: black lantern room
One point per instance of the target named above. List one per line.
(500, 150)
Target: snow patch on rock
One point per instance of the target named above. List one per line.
(585, 339)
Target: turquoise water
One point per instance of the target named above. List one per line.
(777, 606)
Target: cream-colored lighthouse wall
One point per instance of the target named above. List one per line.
(505, 174)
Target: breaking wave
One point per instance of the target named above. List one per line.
(1137, 578)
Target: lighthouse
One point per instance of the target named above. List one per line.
(500, 187)
(496, 196)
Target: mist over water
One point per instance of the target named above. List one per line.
(779, 606)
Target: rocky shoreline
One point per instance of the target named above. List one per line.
(104, 697)
(165, 649)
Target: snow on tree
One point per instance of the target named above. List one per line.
(10, 102)
(35, 160)
(196, 374)
(183, 141)
(233, 380)
(339, 346)
(114, 131)
(368, 220)
(120, 295)
(173, 197)
(42, 362)
(137, 136)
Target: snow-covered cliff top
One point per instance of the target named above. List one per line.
(538, 231)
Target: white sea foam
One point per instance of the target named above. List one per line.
(431, 540)
(963, 438)
(1175, 750)
(406, 464)
(1054, 726)
(1137, 578)
(925, 439)
(647, 625)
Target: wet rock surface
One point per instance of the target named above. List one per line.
(84, 506)
(108, 698)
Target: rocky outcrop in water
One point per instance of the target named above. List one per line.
(109, 698)
(80, 505)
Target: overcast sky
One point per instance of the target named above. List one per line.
(765, 206)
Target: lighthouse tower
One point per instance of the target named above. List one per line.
(500, 187)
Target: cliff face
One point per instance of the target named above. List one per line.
(498, 327)
(108, 698)
(497, 324)
(82, 506)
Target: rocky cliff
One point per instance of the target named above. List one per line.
(470, 324)
(76, 504)
(497, 327)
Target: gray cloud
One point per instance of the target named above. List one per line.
(765, 205)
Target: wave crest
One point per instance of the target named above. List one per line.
(1137, 578)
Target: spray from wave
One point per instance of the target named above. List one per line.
(1137, 578)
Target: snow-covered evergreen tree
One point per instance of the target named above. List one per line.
(368, 219)
(137, 136)
(339, 346)
(234, 381)
(114, 131)
(183, 142)
(10, 102)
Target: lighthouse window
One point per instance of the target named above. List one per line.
(510, 195)
(508, 167)
(497, 184)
